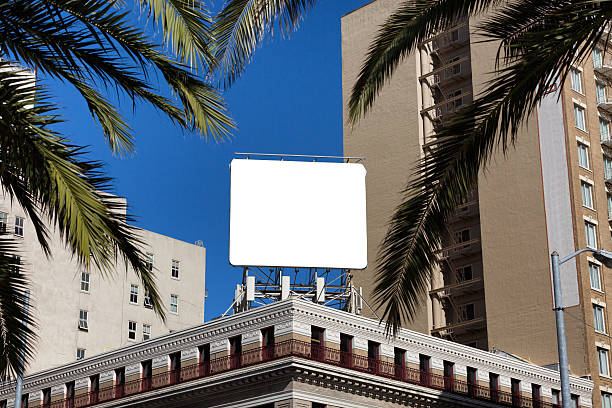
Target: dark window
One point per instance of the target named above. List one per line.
(235, 351)
(147, 373)
(317, 405)
(267, 342)
(46, 394)
(472, 381)
(536, 395)
(373, 354)
(575, 401)
(3, 404)
(515, 388)
(346, 350)
(556, 398)
(449, 376)
(25, 399)
(204, 359)
(175, 367)
(120, 382)
(70, 394)
(399, 359)
(424, 367)
(494, 386)
(317, 341)
(94, 388)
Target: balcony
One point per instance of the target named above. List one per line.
(303, 350)
(447, 107)
(453, 71)
(604, 70)
(452, 38)
(461, 249)
(605, 105)
(471, 285)
(476, 323)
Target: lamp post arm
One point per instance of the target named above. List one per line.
(567, 258)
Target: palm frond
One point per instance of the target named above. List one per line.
(243, 24)
(17, 337)
(186, 27)
(564, 34)
(413, 23)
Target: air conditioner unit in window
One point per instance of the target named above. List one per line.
(83, 325)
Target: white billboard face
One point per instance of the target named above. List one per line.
(298, 214)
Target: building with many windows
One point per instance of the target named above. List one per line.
(80, 313)
(296, 354)
(552, 192)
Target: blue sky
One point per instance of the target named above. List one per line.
(288, 101)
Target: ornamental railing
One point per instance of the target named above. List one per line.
(296, 348)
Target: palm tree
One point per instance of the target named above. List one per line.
(90, 45)
(539, 40)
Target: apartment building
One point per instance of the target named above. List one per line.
(296, 354)
(492, 289)
(81, 313)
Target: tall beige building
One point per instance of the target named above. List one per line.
(80, 314)
(493, 288)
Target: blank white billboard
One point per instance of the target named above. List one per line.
(298, 214)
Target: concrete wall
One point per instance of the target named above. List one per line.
(56, 295)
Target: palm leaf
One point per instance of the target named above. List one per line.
(243, 24)
(564, 33)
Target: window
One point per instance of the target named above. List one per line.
(606, 400)
(597, 60)
(598, 319)
(425, 369)
(147, 301)
(604, 129)
(3, 221)
(83, 320)
(583, 155)
(609, 198)
(174, 303)
(133, 293)
(132, 330)
(591, 240)
(576, 80)
(587, 194)
(373, 355)
(19, 226)
(399, 362)
(600, 90)
(235, 351)
(46, 397)
(317, 342)
(536, 395)
(607, 168)
(454, 103)
(579, 117)
(515, 389)
(494, 386)
(603, 362)
(464, 273)
(466, 311)
(85, 281)
(15, 268)
(146, 332)
(575, 401)
(595, 277)
(267, 343)
(346, 350)
(449, 376)
(175, 268)
(472, 382)
(80, 353)
(149, 260)
(556, 398)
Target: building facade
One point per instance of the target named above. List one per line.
(80, 313)
(296, 354)
(493, 287)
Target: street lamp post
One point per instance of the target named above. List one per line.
(605, 258)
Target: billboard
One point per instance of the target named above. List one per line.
(297, 214)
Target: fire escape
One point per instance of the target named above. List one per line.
(457, 290)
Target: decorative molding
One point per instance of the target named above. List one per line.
(58, 390)
(332, 336)
(461, 370)
(82, 383)
(219, 346)
(504, 381)
(162, 361)
(251, 337)
(387, 350)
(133, 369)
(107, 376)
(360, 343)
(34, 397)
(190, 354)
(436, 363)
(412, 357)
